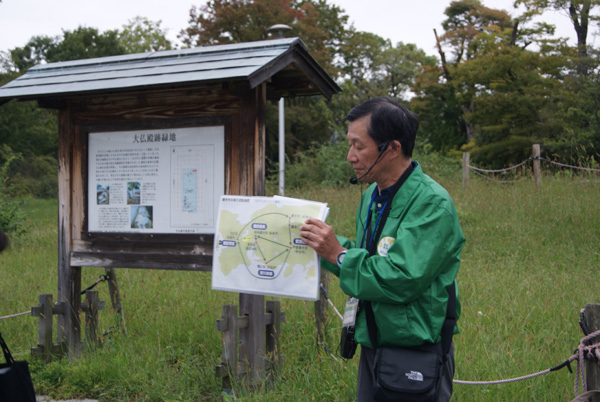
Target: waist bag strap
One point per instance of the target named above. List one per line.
(447, 328)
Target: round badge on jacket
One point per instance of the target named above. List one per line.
(384, 245)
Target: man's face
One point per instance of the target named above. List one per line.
(363, 149)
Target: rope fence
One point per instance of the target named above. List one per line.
(584, 352)
(101, 279)
(15, 315)
(535, 158)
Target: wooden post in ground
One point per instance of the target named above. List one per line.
(537, 172)
(252, 339)
(591, 313)
(70, 169)
(229, 368)
(465, 169)
(321, 307)
(44, 312)
(46, 348)
(273, 331)
(92, 307)
(115, 296)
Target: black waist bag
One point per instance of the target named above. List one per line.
(15, 380)
(410, 374)
(407, 374)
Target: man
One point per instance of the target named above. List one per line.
(408, 240)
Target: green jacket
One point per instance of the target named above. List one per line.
(417, 257)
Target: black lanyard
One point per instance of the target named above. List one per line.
(371, 240)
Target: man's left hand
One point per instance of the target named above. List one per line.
(321, 237)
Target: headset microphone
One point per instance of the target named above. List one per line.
(381, 147)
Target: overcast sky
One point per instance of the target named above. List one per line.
(399, 20)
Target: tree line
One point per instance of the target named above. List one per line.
(499, 82)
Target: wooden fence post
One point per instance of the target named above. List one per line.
(321, 307)
(465, 169)
(46, 348)
(228, 369)
(537, 172)
(591, 314)
(252, 338)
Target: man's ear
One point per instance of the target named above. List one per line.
(395, 148)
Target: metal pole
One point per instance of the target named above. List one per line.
(281, 148)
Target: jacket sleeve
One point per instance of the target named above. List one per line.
(426, 247)
(333, 268)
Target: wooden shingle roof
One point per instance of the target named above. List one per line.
(284, 63)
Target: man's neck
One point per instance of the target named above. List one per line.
(394, 175)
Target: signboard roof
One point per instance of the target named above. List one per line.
(255, 62)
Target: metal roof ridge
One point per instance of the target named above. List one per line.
(174, 53)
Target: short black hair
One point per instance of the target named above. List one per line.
(390, 121)
(3, 240)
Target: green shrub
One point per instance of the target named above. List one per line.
(319, 165)
(499, 155)
(33, 175)
(326, 165)
(12, 218)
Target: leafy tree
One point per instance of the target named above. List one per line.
(467, 23)
(472, 30)
(397, 67)
(580, 14)
(28, 129)
(493, 92)
(12, 216)
(142, 35)
(31, 131)
(34, 52)
(320, 25)
(139, 35)
(86, 43)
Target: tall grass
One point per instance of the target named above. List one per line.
(530, 263)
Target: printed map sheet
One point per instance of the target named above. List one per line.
(258, 248)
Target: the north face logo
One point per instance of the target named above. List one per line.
(414, 376)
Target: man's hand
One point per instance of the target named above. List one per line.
(321, 237)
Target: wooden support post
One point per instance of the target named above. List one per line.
(268, 354)
(92, 306)
(592, 369)
(273, 320)
(252, 338)
(537, 172)
(115, 296)
(69, 277)
(466, 169)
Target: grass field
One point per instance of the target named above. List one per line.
(530, 263)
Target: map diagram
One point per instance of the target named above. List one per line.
(258, 248)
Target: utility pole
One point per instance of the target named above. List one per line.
(279, 31)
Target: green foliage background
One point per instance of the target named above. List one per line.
(500, 81)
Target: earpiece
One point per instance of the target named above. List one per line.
(381, 147)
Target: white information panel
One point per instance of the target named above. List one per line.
(258, 248)
(156, 181)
